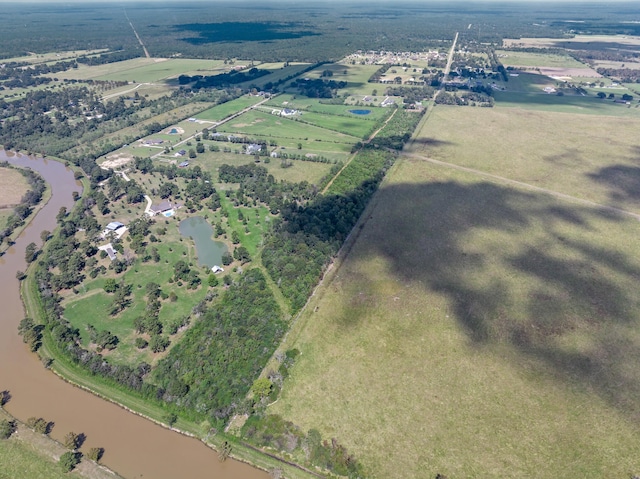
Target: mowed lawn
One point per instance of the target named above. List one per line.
(593, 157)
(476, 330)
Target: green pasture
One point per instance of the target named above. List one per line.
(527, 59)
(91, 305)
(476, 329)
(267, 125)
(591, 157)
(258, 219)
(165, 69)
(278, 72)
(356, 76)
(51, 56)
(588, 105)
(354, 125)
(298, 171)
(21, 460)
(224, 110)
(299, 102)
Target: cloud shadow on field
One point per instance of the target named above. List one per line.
(517, 269)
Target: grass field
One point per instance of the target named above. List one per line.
(476, 330)
(91, 305)
(220, 112)
(20, 460)
(590, 157)
(267, 125)
(51, 57)
(526, 59)
(143, 70)
(356, 76)
(12, 186)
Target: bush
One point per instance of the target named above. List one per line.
(141, 343)
(7, 428)
(69, 460)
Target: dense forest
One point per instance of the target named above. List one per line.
(315, 32)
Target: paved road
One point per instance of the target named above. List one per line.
(146, 52)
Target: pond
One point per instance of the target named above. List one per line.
(209, 252)
(360, 112)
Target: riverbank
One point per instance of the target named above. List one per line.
(32, 452)
(154, 413)
(46, 196)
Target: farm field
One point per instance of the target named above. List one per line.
(141, 70)
(224, 110)
(525, 59)
(475, 330)
(559, 151)
(578, 42)
(278, 73)
(51, 56)
(356, 76)
(266, 125)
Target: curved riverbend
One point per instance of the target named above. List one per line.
(134, 447)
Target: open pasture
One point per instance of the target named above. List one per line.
(591, 157)
(224, 110)
(578, 42)
(519, 59)
(355, 125)
(91, 305)
(268, 125)
(475, 330)
(299, 102)
(38, 58)
(12, 187)
(572, 104)
(278, 72)
(356, 76)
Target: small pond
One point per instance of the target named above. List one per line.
(173, 131)
(209, 251)
(360, 112)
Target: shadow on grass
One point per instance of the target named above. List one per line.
(622, 181)
(517, 269)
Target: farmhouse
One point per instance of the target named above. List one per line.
(114, 229)
(165, 208)
(184, 164)
(387, 102)
(108, 248)
(180, 153)
(153, 142)
(253, 149)
(217, 269)
(288, 112)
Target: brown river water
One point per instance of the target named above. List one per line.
(134, 447)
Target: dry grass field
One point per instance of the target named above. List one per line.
(478, 328)
(592, 157)
(12, 186)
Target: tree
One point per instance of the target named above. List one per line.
(199, 148)
(192, 153)
(212, 280)
(71, 440)
(602, 94)
(7, 428)
(69, 460)
(235, 238)
(110, 285)
(171, 418)
(95, 453)
(261, 388)
(30, 252)
(38, 425)
(44, 236)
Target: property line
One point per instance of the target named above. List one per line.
(521, 184)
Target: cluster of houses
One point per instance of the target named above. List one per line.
(382, 57)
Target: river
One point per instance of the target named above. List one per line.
(134, 447)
